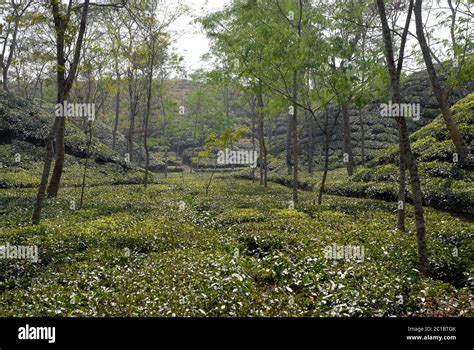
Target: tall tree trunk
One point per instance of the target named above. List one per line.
(440, 92)
(252, 111)
(401, 188)
(88, 93)
(288, 144)
(81, 202)
(166, 161)
(208, 185)
(147, 115)
(347, 138)
(261, 139)
(294, 131)
(141, 124)
(310, 146)
(165, 125)
(362, 141)
(327, 138)
(326, 159)
(117, 105)
(6, 65)
(270, 137)
(64, 87)
(48, 160)
(41, 94)
(55, 181)
(133, 111)
(404, 140)
(325, 172)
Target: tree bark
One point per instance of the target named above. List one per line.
(347, 138)
(288, 145)
(405, 144)
(148, 107)
(6, 65)
(117, 105)
(55, 181)
(252, 112)
(48, 160)
(362, 132)
(261, 139)
(64, 85)
(165, 125)
(133, 111)
(327, 139)
(294, 132)
(326, 159)
(310, 146)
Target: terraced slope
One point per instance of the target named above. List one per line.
(445, 184)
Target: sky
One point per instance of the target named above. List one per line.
(191, 41)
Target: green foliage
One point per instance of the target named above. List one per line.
(445, 184)
(239, 252)
(214, 143)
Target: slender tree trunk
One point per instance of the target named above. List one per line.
(41, 94)
(48, 160)
(6, 65)
(326, 160)
(117, 105)
(208, 185)
(165, 126)
(261, 139)
(327, 139)
(55, 181)
(405, 143)
(166, 161)
(294, 130)
(64, 86)
(147, 115)
(310, 146)
(347, 138)
(86, 165)
(362, 131)
(288, 145)
(440, 92)
(5, 78)
(402, 188)
(88, 94)
(270, 137)
(133, 111)
(252, 111)
(141, 124)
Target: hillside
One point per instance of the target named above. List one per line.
(379, 133)
(23, 128)
(445, 184)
